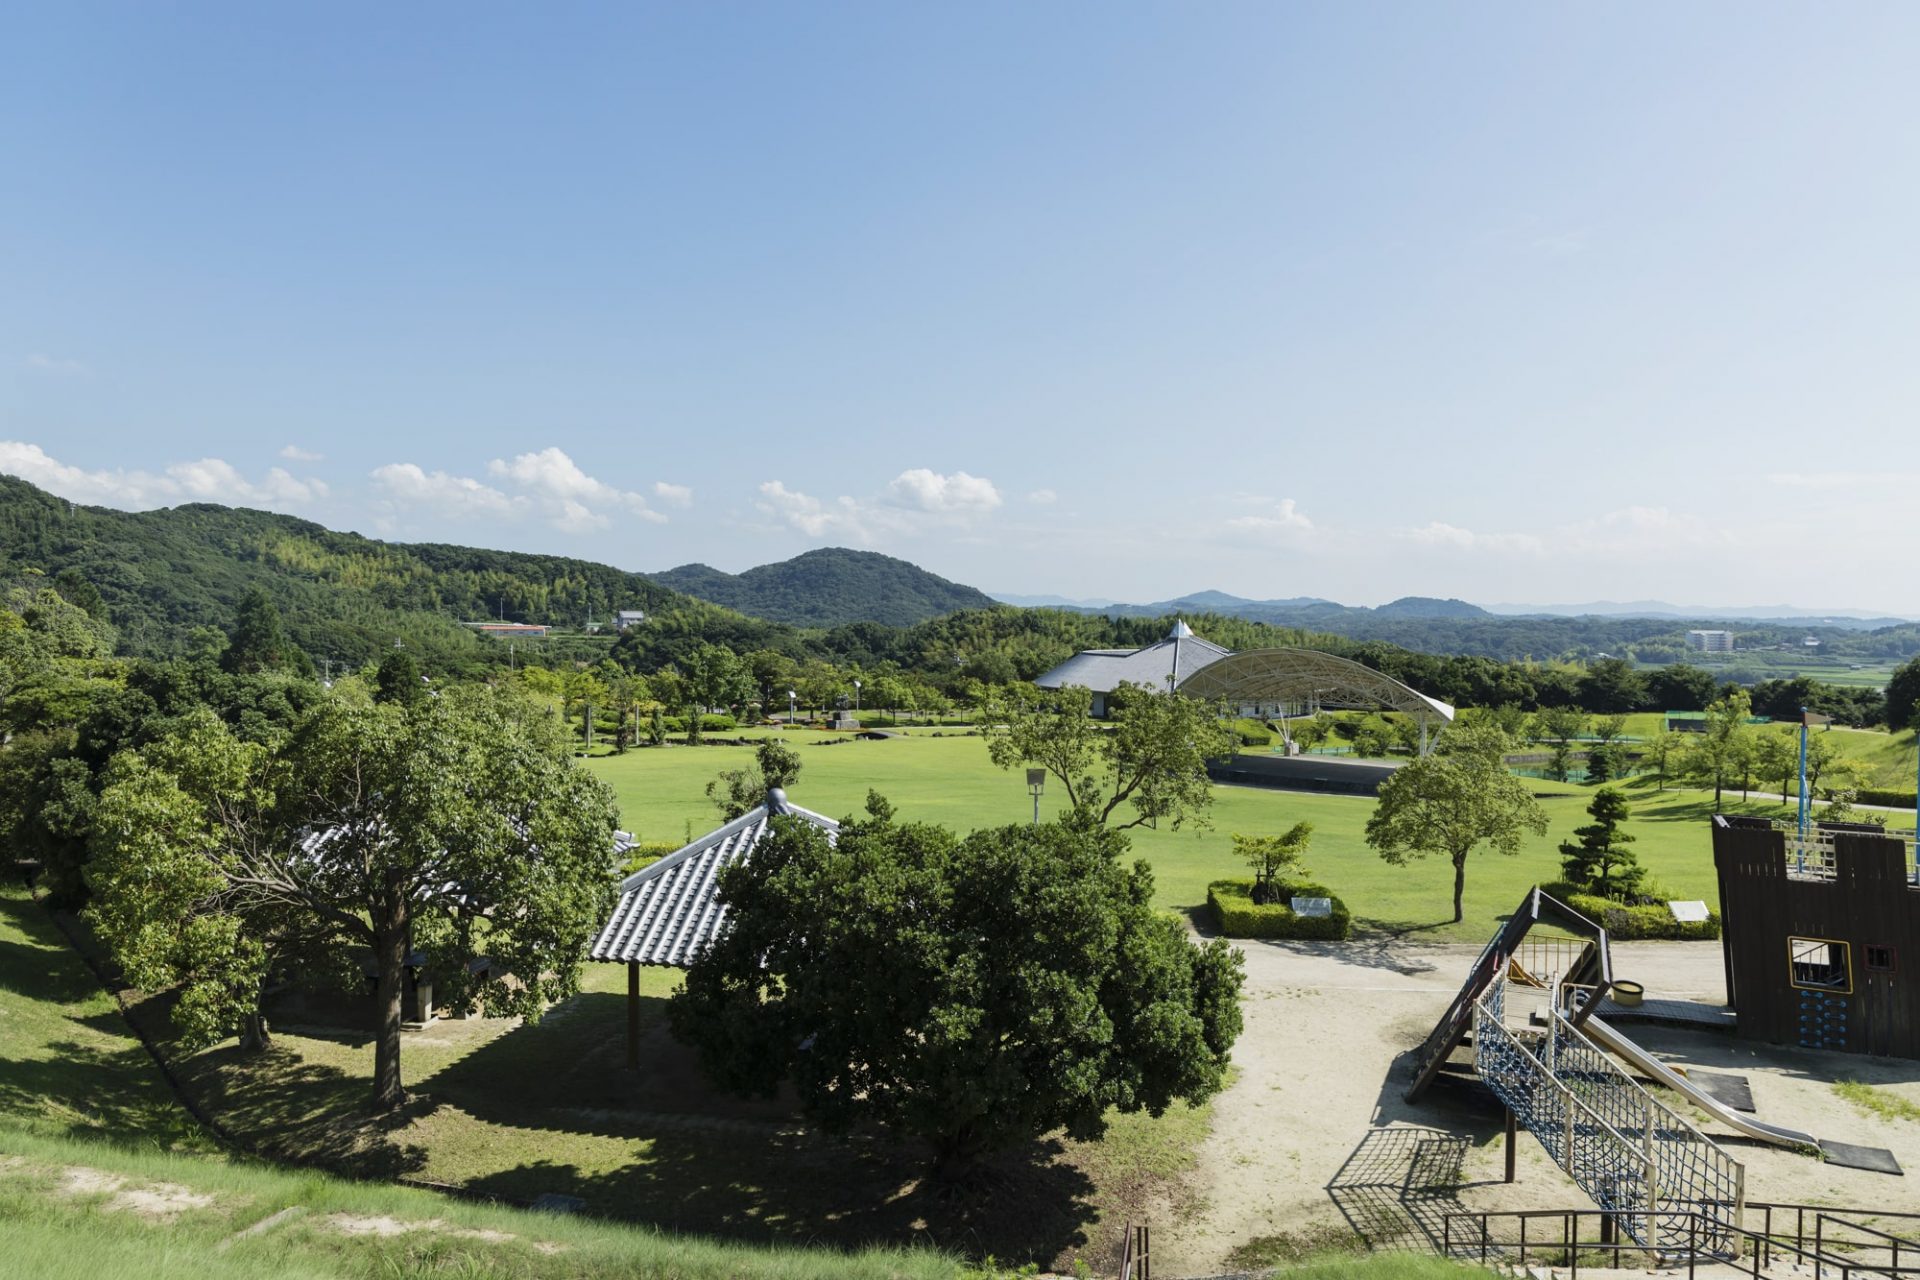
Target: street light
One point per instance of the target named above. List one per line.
(791, 695)
(1036, 783)
(856, 696)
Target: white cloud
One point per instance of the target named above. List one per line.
(458, 496)
(915, 501)
(1042, 497)
(677, 495)
(926, 490)
(55, 366)
(294, 453)
(810, 515)
(1285, 519)
(568, 498)
(1625, 532)
(204, 480)
(1441, 534)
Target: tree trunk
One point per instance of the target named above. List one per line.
(253, 1033)
(390, 960)
(1459, 886)
(956, 1156)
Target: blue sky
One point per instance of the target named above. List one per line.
(1509, 302)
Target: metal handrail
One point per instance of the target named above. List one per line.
(1136, 1262)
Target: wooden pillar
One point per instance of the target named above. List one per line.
(633, 1015)
(1513, 1145)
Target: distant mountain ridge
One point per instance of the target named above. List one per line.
(829, 587)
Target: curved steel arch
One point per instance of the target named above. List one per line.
(1307, 676)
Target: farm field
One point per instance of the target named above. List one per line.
(949, 780)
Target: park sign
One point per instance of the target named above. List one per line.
(1321, 907)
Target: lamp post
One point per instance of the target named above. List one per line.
(791, 696)
(856, 697)
(1036, 783)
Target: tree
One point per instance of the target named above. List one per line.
(458, 828)
(1716, 754)
(259, 640)
(1598, 858)
(1680, 686)
(1903, 697)
(974, 993)
(713, 678)
(1608, 728)
(1603, 762)
(1777, 755)
(1452, 802)
(1663, 748)
(398, 680)
(1611, 685)
(1559, 726)
(1154, 758)
(736, 791)
(1270, 855)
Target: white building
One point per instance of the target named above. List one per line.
(1710, 641)
(625, 618)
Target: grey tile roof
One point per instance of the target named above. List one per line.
(667, 912)
(1104, 670)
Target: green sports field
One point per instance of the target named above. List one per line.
(949, 780)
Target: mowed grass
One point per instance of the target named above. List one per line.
(949, 780)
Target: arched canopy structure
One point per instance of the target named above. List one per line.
(1308, 678)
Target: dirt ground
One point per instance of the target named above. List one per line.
(1313, 1142)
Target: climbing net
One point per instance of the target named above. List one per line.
(1631, 1152)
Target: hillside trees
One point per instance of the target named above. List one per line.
(1454, 801)
(258, 641)
(1153, 759)
(457, 827)
(1903, 696)
(974, 993)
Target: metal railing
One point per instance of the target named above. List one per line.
(1708, 1238)
(1811, 857)
(1136, 1262)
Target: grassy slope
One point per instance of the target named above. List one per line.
(77, 1089)
(950, 780)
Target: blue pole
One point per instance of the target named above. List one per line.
(1916, 801)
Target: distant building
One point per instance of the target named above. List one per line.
(1159, 666)
(625, 618)
(1811, 642)
(511, 629)
(1710, 641)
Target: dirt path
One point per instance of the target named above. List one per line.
(1313, 1142)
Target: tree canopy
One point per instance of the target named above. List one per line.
(974, 992)
(1153, 757)
(1597, 858)
(1452, 802)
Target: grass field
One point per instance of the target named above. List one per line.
(949, 780)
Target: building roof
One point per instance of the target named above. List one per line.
(1309, 676)
(1158, 666)
(668, 912)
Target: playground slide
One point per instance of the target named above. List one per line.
(1632, 1054)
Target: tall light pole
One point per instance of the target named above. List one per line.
(1036, 783)
(856, 697)
(791, 697)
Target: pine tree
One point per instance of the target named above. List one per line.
(1599, 859)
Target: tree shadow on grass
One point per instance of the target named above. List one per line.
(706, 1161)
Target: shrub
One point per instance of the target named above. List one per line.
(1877, 795)
(709, 723)
(642, 856)
(1631, 922)
(1234, 911)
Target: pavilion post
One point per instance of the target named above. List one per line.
(633, 1015)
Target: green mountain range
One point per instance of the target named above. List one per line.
(829, 587)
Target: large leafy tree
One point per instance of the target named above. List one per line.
(259, 642)
(1153, 758)
(1269, 856)
(458, 827)
(1455, 801)
(1719, 754)
(735, 791)
(974, 993)
(1903, 697)
(1597, 857)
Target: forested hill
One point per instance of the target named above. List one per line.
(829, 588)
(345, 597)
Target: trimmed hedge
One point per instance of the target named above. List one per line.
(1875, 795)
(1234, 911)
(1649, 921)
(708, 724)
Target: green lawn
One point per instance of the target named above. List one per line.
(949, 780)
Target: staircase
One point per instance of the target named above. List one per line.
(1656, 1175)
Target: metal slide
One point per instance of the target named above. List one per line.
(1632, 1054)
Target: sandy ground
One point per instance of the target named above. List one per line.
(1313, 1139)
